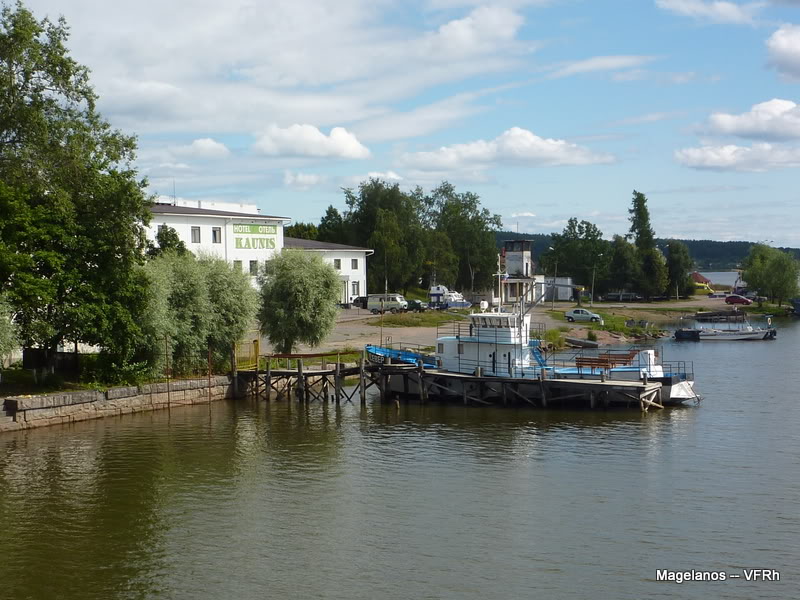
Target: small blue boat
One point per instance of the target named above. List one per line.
(380, 354)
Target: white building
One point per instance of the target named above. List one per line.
(241, 235)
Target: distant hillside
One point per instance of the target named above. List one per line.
(708, 255)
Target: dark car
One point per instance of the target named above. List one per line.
(417, 306)
(737, 299)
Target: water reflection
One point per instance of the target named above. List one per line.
(246, 499)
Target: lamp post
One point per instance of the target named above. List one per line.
(555, 276)
(594, 268)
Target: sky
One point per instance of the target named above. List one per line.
(547, 109)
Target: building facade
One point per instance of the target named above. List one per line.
(242, 236)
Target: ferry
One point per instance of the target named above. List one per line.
(500, 344)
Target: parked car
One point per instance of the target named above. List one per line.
(393, 303)
(737, 299)
(581, 314)
(360, 302)
(417, 306)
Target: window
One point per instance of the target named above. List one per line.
(253, 268)
(461, 348)
(237, 265)
(354, 264)
(216, 235)
(440, 348)
(337, 264)
(355, 288)
(195, 235)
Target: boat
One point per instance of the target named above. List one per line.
(379, 355)
(442, 297)
(746, 333)
(500, 344)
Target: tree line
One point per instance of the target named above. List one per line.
(418, 238)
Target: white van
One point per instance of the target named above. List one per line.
(377, 303)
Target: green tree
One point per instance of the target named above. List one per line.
(653, 275)
(641, 231)
(302, 231)
(470, 229)
(580, 251)
(234, 305)
(771, 272)
(679, 263)
(331, 228)
(367, 224)
(299, 295)
(440, 265)
(167, 240)
(67, 261)
(623, 269)
(193, 306)
(8, 329)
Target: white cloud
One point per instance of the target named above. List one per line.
(602, 63)
(773, 120)
(523, 214)
(307, 140)
(514, 146)
(757, 158)
(715, 11)
(298, 61)
(203, 148)
(784, 50)
(302, 181)
(387, 176)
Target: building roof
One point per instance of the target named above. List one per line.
(698, 278)
(170, 209)
(290, 242)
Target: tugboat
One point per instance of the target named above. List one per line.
(499, 344)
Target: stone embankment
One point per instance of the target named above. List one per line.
(25, 412)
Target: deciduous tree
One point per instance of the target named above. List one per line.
(71, 207)
(299, 294)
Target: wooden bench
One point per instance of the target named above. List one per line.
(591, 362)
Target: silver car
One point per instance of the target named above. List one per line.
(581, 314)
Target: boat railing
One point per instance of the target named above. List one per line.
(460, 329)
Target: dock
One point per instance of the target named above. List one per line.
(322, 378)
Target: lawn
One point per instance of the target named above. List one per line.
(429, 318)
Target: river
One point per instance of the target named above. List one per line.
(243, 500)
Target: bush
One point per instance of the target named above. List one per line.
(591, 336)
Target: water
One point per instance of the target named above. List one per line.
(728, 278)
(240, 500)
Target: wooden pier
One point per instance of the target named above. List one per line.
(340, 382)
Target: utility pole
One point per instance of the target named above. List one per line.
(555, 276)
(594, 268)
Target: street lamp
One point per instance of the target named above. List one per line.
(555, 276)
(594, 268)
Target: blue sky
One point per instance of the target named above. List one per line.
(547, 109)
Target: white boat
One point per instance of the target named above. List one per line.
(745, 333)
(500, 345)
(441, 296)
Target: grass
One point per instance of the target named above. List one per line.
(555, 338)
(611, 322)
(429, 318)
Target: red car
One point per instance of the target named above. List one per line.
(736, 299)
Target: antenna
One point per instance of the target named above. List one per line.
(174, 199)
